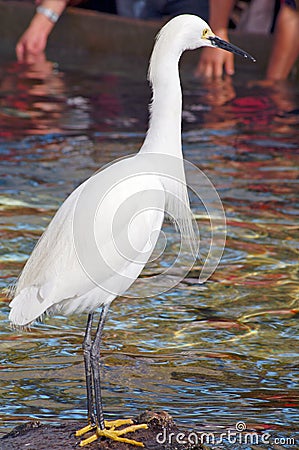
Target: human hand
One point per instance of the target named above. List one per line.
(37, 60)
(214, 62)
(34, 40)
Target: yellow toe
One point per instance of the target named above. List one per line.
(115, 435)
(131, 429)
(118, 423)
(84, 430)
(89, 440)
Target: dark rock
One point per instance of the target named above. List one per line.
(160, 435)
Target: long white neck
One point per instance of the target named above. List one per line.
(164, 132)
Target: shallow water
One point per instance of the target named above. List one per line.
(211, 355)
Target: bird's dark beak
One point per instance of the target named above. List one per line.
(220, 43)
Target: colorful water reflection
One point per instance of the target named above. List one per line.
(210, 355)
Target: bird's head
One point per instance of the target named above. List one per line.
(192, 32)
(209, 39)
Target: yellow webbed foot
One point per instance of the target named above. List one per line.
(110, 431)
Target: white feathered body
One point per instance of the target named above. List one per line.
(65, 273)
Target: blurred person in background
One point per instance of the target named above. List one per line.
(34, 40)
(262, 17)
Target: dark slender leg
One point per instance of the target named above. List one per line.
(95, 364)
(87, 345)
(94, 398)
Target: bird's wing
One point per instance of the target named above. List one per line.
(98, 241)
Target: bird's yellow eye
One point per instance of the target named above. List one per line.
(205, 33)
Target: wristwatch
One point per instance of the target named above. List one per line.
(49, 13)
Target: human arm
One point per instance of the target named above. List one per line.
(285, 49)
(34, 40)
(215, 62)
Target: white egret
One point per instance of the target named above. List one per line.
(54, 278)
